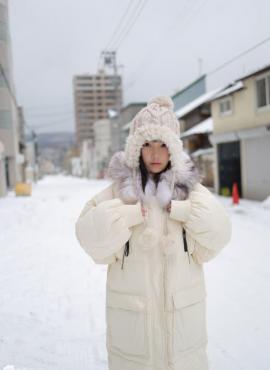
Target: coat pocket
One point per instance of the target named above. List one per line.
(189, 319)
(127, 326)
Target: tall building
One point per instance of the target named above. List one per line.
(10, 159)
(94, 96)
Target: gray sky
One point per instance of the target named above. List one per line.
(53, 40)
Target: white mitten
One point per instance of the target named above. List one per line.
(104, 216)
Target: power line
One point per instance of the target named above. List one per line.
(188, 16)
(52, 123)
(128, 28)
(119, 24)
(223, 65)
(50, 114)
(46, 107)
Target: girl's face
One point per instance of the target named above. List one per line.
(155, 156)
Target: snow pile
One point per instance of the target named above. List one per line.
(266, 203)
(12, 367)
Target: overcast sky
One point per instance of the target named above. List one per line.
(54, 39)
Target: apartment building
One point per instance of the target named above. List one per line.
(10, 158)
(94, 96)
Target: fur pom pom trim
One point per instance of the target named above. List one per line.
(173, 184)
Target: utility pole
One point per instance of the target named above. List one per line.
(200, 62)
(108, 60)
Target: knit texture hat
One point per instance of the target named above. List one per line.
(156, 121)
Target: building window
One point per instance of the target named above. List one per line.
(3, 13)
(263, 91)
(225, 106)
(5, 119)
(3, 31)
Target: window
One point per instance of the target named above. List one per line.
(5, 119)
(3, 13)
(3, 31)
(225, 106)
(263, 91)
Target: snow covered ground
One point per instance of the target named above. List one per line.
(52, 296)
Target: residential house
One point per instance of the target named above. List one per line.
(241, 136)
(196, 125)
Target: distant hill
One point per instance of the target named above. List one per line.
(53, 146)
(57, 140)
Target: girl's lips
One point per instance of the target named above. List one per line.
(155, 163)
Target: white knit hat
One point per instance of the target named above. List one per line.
(156, 121)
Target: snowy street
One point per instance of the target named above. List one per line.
(52, 296)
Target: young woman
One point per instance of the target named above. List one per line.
(154, 226)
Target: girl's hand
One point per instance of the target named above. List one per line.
(143, 211)
(168, 207)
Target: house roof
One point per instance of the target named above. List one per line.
(229, 89)
(203, 127)
(255, 72)
(188, 86)
(202, 151)
(196, 103)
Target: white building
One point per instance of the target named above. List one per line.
(87, 158)
(102, 130)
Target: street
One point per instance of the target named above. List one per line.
(52, 295)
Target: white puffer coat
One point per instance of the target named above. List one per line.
(156, 295)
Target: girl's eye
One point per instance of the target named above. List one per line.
(146, 144)
(164, 146)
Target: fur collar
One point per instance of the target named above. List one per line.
(174, 183)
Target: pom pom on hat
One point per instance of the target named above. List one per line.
(163, 101)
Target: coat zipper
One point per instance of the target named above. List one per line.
(125, 253)
(185, 243)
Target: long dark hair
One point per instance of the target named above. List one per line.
(145, 174)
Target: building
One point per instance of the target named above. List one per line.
(120, 125)
(87, 158)
(189, 93)
(11, 159)
(94, 96)
(196, 126)
(241, 135)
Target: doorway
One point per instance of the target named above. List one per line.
(229, 167)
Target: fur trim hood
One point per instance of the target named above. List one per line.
(175, 183)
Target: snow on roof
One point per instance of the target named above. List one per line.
(254, 72)
(203, 127)
(235, 86)
(202, 151)
(196, 103)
